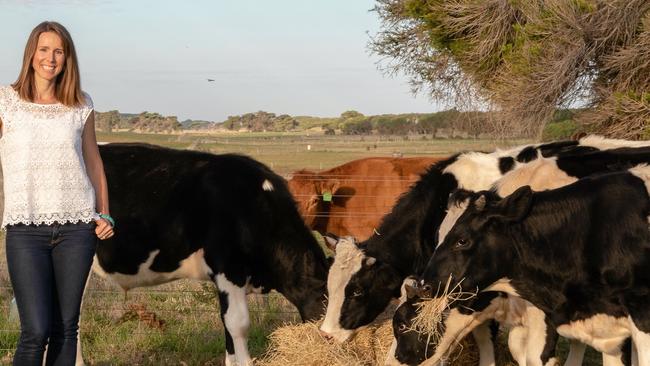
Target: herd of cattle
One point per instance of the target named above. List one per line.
(553, 238)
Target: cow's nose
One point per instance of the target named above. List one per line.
(325, 335)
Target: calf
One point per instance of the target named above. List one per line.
(222, 218)
(528, 341)
(579, 253)
(540, 174)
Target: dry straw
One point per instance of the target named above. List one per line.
(303, 345)
(431, 313)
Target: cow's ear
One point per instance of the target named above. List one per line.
(407, 286)
(517, 205)
(480, 203)
(331, 240)
(343, 194)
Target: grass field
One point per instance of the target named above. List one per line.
(178, 323)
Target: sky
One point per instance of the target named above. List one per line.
(297, 57)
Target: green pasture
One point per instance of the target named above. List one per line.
(179, 323)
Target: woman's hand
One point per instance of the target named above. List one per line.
(104, 230)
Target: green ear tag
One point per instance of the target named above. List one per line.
(327, 196)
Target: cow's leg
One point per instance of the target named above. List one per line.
(576, 353)
(542, 339)
(234, 314)
(517, 340)
(614, 359)
(483, 337)
(640, 317)
(640, 348)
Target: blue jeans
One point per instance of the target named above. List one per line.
(48, 267)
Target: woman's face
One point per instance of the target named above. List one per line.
(49, 58)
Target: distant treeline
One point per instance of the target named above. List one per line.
(444, 124)
(143, 122)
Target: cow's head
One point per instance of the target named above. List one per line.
(359, 288)
(412, 347)
(409, 347)
(315, 195)
(480, 248)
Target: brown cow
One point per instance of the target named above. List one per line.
(351, 199)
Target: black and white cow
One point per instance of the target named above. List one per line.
(528, 326)
(366, 277)
(579, 253)
(222, 218)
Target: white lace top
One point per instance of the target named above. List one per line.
(45, 178)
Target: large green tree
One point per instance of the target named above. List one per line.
(523, 59)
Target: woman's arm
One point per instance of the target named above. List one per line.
(95, 171)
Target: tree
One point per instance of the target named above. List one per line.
(524, 59)
(350, 114)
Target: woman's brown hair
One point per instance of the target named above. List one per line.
(68, 84)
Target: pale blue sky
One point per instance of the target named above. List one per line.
(300, 57)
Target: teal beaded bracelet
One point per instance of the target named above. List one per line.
(108, 218)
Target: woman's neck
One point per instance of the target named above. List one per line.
(45, 91)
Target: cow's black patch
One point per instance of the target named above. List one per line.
(506, 164)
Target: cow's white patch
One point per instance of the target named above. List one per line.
(347, 262)
(267, 185)
(453, 213)
(502, 285)
(236, 319)
(603, 332)
(602, 143)
(466, 167)
(539, 174)
(194, 267)
(457, 326)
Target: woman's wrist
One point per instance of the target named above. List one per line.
(108, 218)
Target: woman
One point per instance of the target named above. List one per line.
(55, 195)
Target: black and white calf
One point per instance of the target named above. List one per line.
(540, 174)
(529, 341)
(222, 218)
(579, 253)
(366, 277)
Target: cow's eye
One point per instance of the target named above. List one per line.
(401, 328)
(357, 293)
(462, 243)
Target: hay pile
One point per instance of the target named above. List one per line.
(302, 345)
